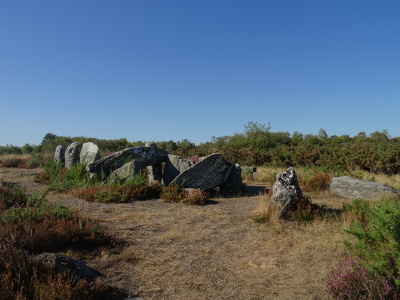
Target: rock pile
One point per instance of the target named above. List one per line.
(208, 173)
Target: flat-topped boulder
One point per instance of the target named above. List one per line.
(351, 188)
(209, 173)
(144, 155)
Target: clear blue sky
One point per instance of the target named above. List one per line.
(173, 70)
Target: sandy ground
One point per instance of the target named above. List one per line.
(216, 251)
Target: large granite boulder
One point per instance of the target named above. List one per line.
(89, 153)
(127, 171)
(285, 190)
(59, 155)
(174, 166)
(72, 154)
(351, 188)
(209, 173)
(144, 155)
(64, 263)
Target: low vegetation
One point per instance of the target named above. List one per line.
(30, 225)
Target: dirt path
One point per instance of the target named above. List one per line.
(176, 251)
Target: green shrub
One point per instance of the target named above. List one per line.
(175, 193)
(377, 239)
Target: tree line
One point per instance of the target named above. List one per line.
(257, 145)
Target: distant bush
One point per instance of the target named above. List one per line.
(319, 182)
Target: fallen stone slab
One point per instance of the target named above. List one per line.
(351, 188)
(144, 155)
(65, 263)
(209, 173)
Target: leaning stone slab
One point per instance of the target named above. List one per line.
(285, 190)
(76, 267)
(144, 155)
(89, 153)
(351, 188)
(127, 171)
(59, 155)
(174, 166)
(72, 154)
(207, 174)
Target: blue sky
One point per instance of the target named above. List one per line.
(173, 70)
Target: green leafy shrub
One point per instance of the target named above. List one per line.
(172, 193)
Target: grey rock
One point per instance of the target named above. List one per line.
(126, 172)
(65, 263)
(285, 190)
(234, 182)
(174, 166)
(89, 153)
(144, 155)
(59, 155)
(209, 173)
(72, 154)
(351, 188)
(154, 173)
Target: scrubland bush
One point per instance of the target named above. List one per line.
(373, 272)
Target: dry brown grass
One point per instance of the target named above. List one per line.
(216, 251)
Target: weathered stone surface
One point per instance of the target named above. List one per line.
(234, 182)
(76, 267)
(127, 171)
(174, 166)
(72, 154)
(285, 190)
(144, 155)
(154, 173)
(89, 153)
(209, 173)
(352, 188)
(59, 155)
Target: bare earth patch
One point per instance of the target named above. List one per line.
(176, 251)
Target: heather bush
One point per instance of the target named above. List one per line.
(319, 182)
(22, 276)
(351, 280)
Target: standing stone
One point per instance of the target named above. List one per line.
(127, 171)
(234, 182)
(72, 154)
(89, 153)
(154, 173)
(209, 173)
(59, 155)
(174, 166)
(285, 190)
(352, 188)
